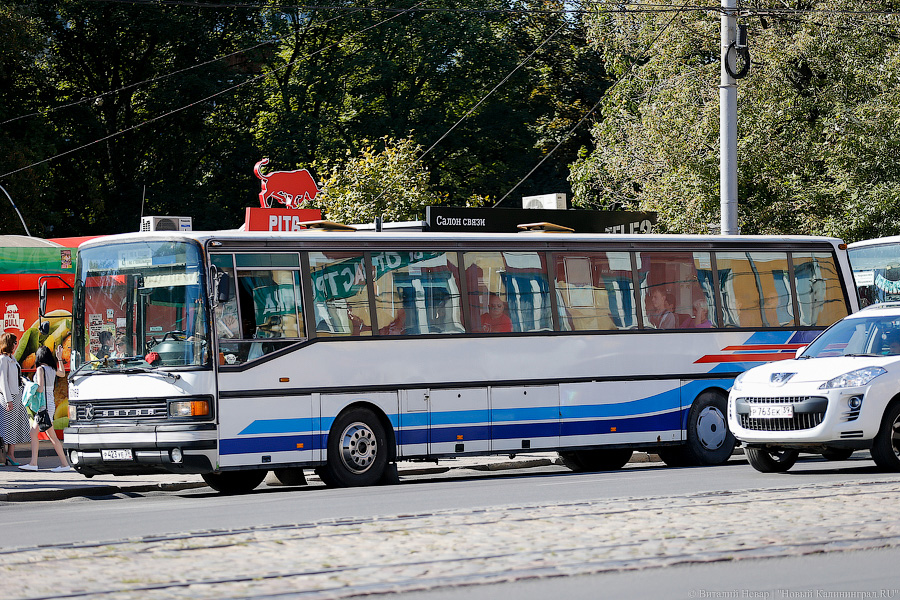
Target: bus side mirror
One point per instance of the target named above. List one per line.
(223, 287)
(42, 296)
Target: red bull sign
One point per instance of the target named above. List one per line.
(290, 188)
(279, 219)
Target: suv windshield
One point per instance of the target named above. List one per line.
(872, 336)
(140, 304)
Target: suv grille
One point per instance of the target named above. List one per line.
(800, 420)
(141, 410)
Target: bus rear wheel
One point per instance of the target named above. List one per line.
(709, 441)
(582, 461)
(234, 482)
(768, 460)
(357, 450)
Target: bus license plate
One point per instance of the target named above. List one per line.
(116, 454)
(772, 411)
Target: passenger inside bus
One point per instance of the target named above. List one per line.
(497, 318)
(661, 309)
(700, 317)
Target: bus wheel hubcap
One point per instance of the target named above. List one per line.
(358, 447)
(711, 429)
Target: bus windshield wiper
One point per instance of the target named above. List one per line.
(96, 361)
(166, 374)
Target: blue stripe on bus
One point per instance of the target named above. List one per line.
(282, 443)
(525, 430)
(660, 422)
(524, 413)
(451, 417)
(279, 426)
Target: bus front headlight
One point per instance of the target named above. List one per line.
(189, 408)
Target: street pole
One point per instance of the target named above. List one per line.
(728, 187)
(28, 233)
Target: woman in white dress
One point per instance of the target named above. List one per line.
(48, 367)
(13, 421)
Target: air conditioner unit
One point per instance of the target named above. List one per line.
(545, 201)
(166, 224)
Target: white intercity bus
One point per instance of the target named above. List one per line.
(229, 354)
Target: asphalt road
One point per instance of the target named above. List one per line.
(160, 513)
(646, 528)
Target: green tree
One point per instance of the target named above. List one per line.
(818, 142)
(383, 180)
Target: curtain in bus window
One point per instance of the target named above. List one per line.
(754, 290)
(417, 293)
(676, 290)
(341, 300)
(820, 295)
(594, 291)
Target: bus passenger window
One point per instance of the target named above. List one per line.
(594, 291)
(755, 290)
(341, 299)
(819, 294)
(519, 280)
(676, 290)
(417, 293)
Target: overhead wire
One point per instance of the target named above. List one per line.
(590, 112)
(473, 109)
(158, 78)
(200, 101)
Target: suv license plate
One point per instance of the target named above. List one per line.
(772, 411)
(116, 454)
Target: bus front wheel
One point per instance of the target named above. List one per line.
(357, 450)
(596, 460)
(234, 482)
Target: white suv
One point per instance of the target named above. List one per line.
(841, 393)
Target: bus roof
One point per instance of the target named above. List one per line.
(443, 237)
(891, 239)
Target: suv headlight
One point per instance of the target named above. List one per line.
(738, 381)
(857, 378)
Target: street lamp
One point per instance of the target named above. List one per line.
(17, 210)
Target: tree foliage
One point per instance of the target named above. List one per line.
(818, 141)
(164, 108)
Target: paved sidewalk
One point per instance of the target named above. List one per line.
(20, 486)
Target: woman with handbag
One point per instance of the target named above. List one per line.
(13, 421)
(48, 367)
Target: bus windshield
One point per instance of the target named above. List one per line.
(139, 305)
(876, 270)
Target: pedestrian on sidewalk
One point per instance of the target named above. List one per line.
(13, 420)
(48, 367)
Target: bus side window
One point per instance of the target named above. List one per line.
(340, 295)
(519, 280)
(595, 291)
(676, 290)
(417, 292)
(819, 293)
(755, 290)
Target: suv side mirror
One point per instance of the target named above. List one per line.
(799, 352)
